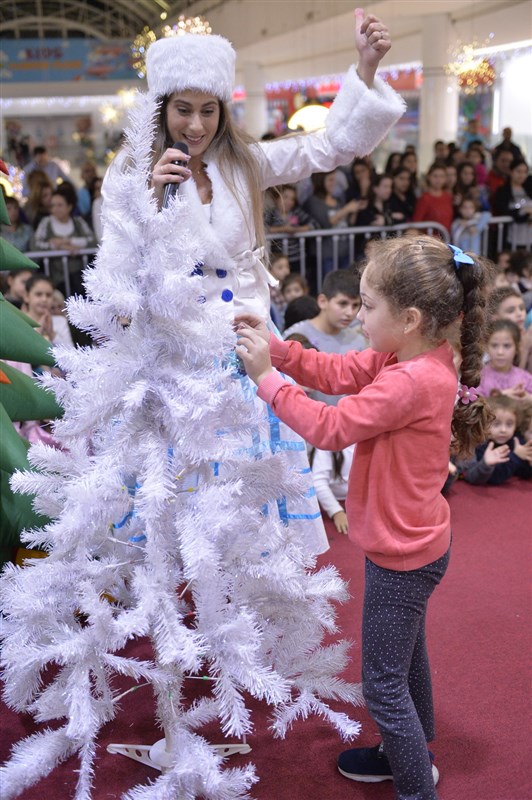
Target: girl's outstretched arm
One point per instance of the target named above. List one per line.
(386, 404)
(329, 373)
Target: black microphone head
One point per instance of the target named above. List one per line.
(181, 146)
(171, 189)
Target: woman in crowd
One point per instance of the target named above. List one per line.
(466, 185)
(514, 198)
(329, 212)
(403, 199)
(61, 231)
(18, 232)
(39, 198)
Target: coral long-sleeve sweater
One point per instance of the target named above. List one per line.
(399, 415)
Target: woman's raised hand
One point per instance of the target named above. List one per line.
(373, 41)
(167, 171)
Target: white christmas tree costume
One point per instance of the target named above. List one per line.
(194, 530)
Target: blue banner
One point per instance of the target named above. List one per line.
(33, 60)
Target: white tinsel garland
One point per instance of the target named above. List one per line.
(141, 515)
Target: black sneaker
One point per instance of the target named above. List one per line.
(371, 765)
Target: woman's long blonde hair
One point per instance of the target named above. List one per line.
(234, 155)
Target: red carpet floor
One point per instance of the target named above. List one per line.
(479, 624)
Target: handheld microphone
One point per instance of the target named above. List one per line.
(171, 189)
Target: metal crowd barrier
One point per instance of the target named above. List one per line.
(501, 231)
(43, 257)
(353, 236)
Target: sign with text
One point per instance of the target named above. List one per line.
(33, 60)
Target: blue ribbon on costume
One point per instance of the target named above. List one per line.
(459, 257)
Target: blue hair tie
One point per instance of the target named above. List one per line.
(459, 257)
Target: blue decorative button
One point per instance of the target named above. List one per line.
(222, 273)
(227, 295)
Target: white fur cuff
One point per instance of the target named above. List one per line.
(360, 117)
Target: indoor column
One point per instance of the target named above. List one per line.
(438, 118)
(255, 120)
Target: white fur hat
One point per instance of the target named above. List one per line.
(191, 61)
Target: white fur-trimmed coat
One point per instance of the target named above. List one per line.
(234, 275)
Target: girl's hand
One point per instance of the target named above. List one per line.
(58, 243)
(255, 354)
(340, 521)
(517, 392)
(165, 171)
(523, 451)
(496, 455)
(372, 41)
(46, 328)
(258, 324)
(352, 207)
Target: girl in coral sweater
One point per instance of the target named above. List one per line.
(400, 410)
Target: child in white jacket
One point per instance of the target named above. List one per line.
(330, 471)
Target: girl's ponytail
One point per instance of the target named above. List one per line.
(472, 417)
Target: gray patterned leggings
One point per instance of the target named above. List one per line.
(395, 670)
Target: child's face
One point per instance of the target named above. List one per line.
(39, 298)
(280, 268)
(450, 177)
(330, 182)
(513, 308)
(60, 209)
(46, 196)
(384, 190)
(361, 172)
(501, 350)
(17, 284)
(58, 302)
(293, 291)
(503, 261)
(467, 175)
(410, 162)
(339, 311)
(503, 426)
(401, 182)
(288, 200)
(379, 324)
(520, 174)
(437, 179)
(467, 209)
(12, 212)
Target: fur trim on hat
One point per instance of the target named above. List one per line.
(205, 63)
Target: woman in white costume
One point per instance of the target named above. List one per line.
(223, 178)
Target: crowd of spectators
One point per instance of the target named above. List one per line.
(462, 190)
(40, 207)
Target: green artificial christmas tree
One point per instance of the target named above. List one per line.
(21, 399)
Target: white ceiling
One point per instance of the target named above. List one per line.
(288, 37)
